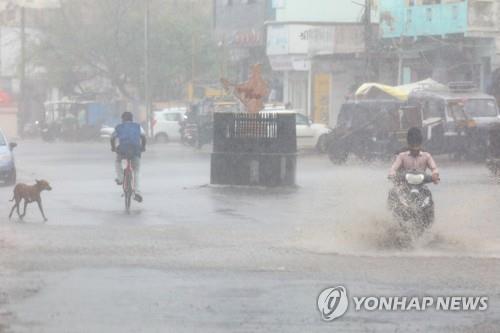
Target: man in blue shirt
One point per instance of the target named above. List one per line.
(132, 143)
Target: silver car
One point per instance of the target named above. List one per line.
(7, 163)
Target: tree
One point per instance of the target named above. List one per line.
(90, 46)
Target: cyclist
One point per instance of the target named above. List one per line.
(132, 142)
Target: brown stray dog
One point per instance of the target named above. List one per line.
(30, 193)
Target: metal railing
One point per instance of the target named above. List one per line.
(255, 133)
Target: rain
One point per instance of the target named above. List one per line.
(249, 166)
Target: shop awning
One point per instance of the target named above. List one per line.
(378, 91)
(401, 93)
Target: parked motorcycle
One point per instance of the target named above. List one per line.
(189, 133)
(31, 130)
(411, 203)
(49, 132)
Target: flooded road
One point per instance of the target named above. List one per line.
(196, 258)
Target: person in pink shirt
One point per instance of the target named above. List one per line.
(414, 159)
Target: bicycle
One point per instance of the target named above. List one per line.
(128, 184)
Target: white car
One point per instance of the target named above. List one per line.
(106, 132)
(166, 125)
(309, 135)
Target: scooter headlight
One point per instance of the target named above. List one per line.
(415, 179)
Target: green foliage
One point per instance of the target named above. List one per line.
(89, 45)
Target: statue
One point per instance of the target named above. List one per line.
(251, 93)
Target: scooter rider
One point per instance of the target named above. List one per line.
(414, 159)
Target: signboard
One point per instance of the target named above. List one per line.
(322, 86)
(298, 39)
(249, 38)
(321, 40)
(287, 39)
(336, 39)
(289, 63)
(277, 40)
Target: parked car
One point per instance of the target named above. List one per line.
(310, 135)
(106, 132)
(7, 163)
(166, 124)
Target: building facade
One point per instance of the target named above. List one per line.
(240, 33)
(319, 49)
(448, 40)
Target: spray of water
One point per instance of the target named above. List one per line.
(467, 215)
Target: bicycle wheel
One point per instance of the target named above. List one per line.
(127, 189)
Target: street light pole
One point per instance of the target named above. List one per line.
(193, 57)
(147, 92)
(21, 116)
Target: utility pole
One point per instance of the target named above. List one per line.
(21, 115)
(368, 39)
(223, 66)
(193, 55)
(147, 92)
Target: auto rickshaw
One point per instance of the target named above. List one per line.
(371, 129)
(455, 120)
(493, 161)
(71, 120)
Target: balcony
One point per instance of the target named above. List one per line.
(398, 19)
(482, 18)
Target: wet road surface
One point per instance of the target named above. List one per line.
(197, 258)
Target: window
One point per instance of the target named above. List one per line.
(455, 12)
(2, 140)
(172, 117)
(301, 119)
(409, 14)
(433, 109)
(481, 108)
(428, 14)
(456, 110)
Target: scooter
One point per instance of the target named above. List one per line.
(411, 203)
(49, 132)
(189, 133)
